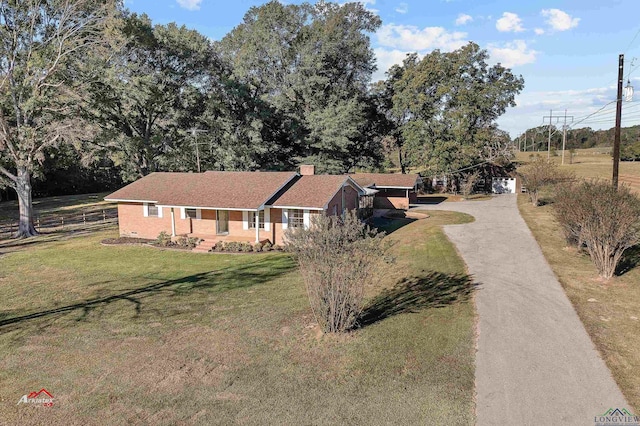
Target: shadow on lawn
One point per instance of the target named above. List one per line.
(412, 294)
(630, 260)
(233, 277)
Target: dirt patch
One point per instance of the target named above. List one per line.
(124, 241)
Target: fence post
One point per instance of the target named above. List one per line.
(38, 222)
(84, 218)
(104, 217)
(62, 222)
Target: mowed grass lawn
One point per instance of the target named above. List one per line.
(610, 310)
(136, 335)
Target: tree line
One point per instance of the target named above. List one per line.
(88, 83)
(581, 138)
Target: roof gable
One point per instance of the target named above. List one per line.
(313, 191)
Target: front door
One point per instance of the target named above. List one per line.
(222, 224)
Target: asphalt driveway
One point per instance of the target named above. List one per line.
(536, 364)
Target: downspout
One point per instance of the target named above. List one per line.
(173, 223)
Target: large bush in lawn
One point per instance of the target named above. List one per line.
(599, 218)
(338, 258)
(539, 174)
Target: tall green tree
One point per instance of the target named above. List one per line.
(41, 46)
(445, 106)
(313, 64)
(148, 92)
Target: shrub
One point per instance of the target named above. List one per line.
(540, 174)
(257, 247)
(231, 246)
(218, 246)
(338, 258)
(267, 246)
(163, 240)
(601, 219)
(187, 242)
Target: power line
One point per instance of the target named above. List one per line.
(632, 40)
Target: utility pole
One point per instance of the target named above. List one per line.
(564, 133)
(550, 117)
(616, 140)
(194, 132)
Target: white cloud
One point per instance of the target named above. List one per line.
(412, 38)
(463, 19)
(539, 31)
(402, 8)
(189, 4)
(385, 59)
(559, 20)
(512, 54)
(509, 22)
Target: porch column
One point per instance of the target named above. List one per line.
(173, 223)
(258, 226)
(407, 194)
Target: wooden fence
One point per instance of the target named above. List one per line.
(76, 220)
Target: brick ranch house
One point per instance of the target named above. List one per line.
(233, 206)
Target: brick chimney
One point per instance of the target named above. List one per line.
(307, 169)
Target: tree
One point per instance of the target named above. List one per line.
(338, 258)
(148, 92)
(313, 64)
(445, 106)
(41, 42)
(539, 174)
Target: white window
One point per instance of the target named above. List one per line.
(252, 219)
(191, 213)
(153, 210)
(296, 218)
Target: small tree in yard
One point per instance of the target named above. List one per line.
(468, 183)
(540, 174)
(601, 219)
(338, 258)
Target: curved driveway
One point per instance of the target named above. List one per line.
(535, 363)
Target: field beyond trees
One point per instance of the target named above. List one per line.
(591, 163)
(133, 334)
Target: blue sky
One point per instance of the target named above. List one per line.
(567, 51)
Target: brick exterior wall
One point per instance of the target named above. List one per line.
(394, 199)
(350, 201)
(133, 223)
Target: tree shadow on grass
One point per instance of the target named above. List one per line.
(630, 260)
(413, 294)
(233, 277)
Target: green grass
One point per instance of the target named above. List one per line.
(59, 205)
(610, 311)
(132, 334)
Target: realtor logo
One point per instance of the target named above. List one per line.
(617, 417)
(41, 397)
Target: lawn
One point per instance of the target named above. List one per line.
(133, 334)
(610, 311)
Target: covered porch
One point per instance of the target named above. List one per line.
(220, 224)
